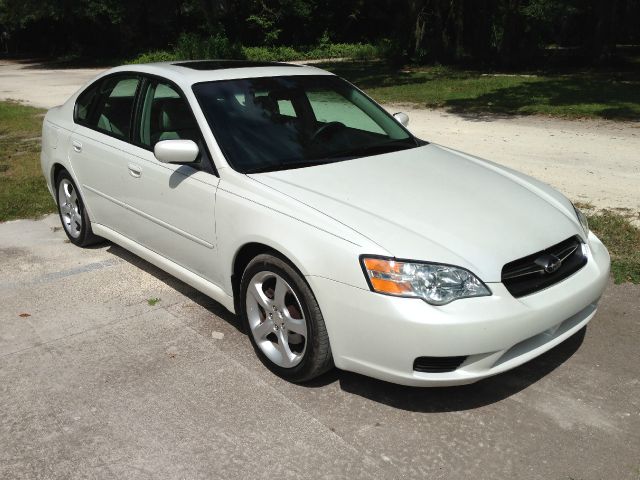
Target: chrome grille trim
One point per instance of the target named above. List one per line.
(528, 275)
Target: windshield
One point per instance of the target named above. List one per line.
(277, 123)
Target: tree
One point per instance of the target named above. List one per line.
(498, 32)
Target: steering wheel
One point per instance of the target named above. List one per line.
(326, 129)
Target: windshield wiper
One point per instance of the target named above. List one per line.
(378, 149)
(387, 147)
(288, 165)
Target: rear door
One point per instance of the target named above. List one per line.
(175, 204)
(99, 148)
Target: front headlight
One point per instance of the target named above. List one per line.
(435, 283)
(582, 218)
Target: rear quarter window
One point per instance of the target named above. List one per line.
(83, 104)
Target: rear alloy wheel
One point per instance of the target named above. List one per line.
(73, 215)
(283, 320)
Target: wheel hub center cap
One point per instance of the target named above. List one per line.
(269, 307)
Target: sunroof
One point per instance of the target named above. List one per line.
(222, 64)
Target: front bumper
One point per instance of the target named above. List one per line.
(380, 336)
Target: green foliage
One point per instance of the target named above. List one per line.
(391, 50)
(508, 33)
(265, 24)
(269, 23)
(190, 46)
(622, 238)
(157, 56)
(356, 51)
(271, 54)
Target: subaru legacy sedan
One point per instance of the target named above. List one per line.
(337, 237)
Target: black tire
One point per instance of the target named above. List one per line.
(317, 358)
(84, 235)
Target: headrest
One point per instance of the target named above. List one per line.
(266, 103)
(174, 114)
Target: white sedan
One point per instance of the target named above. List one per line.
(337, 237)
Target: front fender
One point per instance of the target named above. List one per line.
(309, 241)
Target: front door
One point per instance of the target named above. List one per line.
(175, 204)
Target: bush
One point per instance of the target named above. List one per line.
(157, 56)
(392, 51)
(191, 47)
(356, 51)
(271, 54)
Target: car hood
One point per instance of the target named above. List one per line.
(435, 204)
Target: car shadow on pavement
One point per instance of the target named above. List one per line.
(466, 397)
(415, 399)
(188, 291)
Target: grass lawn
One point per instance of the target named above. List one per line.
(623, 241)
(23, 192)
(612, 95)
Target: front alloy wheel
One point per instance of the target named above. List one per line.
(275, 319)
(283, 320)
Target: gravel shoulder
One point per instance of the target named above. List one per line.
(592, 161)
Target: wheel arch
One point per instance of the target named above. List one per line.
(56, 168)
(244, 255)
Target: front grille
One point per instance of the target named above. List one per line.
(437, 364)
(528, 275)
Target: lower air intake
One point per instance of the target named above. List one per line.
(437, 364)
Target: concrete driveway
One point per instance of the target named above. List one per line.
(97, 383)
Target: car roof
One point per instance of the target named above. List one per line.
(194, 71)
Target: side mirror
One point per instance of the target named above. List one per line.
(176, 151)
(402, 117)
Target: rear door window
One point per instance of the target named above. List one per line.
(113, 111)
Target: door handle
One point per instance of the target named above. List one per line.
(134, 170)
(77, 146)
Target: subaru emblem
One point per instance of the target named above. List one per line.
(549, 262)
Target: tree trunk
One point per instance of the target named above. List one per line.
(212, 10)
(604, 39)
(417, 12)
(481, 29)
(509, 46)
(458, 16)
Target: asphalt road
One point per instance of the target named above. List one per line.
(97, 383)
